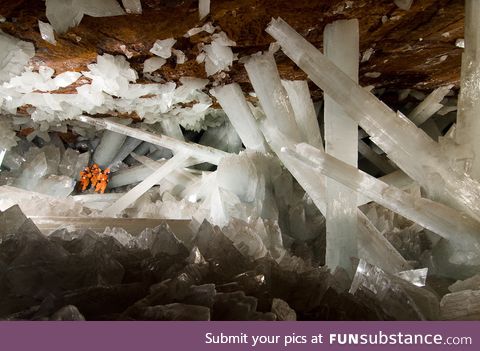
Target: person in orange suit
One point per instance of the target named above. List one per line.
(85, 177)
(96, 171)
(102, 182)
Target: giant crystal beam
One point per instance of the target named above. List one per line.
(204, 153)
(108, 148)
(452, 225)
(263, 74)
(305, 115)
(408, 146)
(126, 200)
(341, 45)
(233, 102)
(468, 123)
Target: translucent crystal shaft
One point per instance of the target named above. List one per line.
(408, 146)
(233, 102)
(341, 45)
(108, 148)
(468, 123)
(263, 74)
(204, 153)
(305, 115)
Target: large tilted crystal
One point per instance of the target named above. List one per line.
(202, 153)
(449, 223)
(468, 123)
(130, 197)
(341, 45)
(108, 148)
(409, 147)
(265, 79)
(428, 107)
(233, 102)
(305, 115)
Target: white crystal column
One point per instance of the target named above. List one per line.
(107, 149)
(341, 45)
(263, 74)
(126, 200)
(200, 152)
(233, 102)
(408, 146)
(445, 221)
(305, 115)
(468, 121)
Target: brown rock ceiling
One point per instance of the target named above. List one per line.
(409, 46)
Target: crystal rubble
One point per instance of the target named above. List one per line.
(152, 64)
(207, 27)
(409, 147)
(396, 296)
(46, 31)
(67, 14)
(468, 125)
(163, 48)
(14, 56)
(454, 226)
(132, 283)
(431, 105)
(218, 54)
(341, 45)
(111, 74)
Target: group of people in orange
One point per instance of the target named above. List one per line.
(94, 176)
